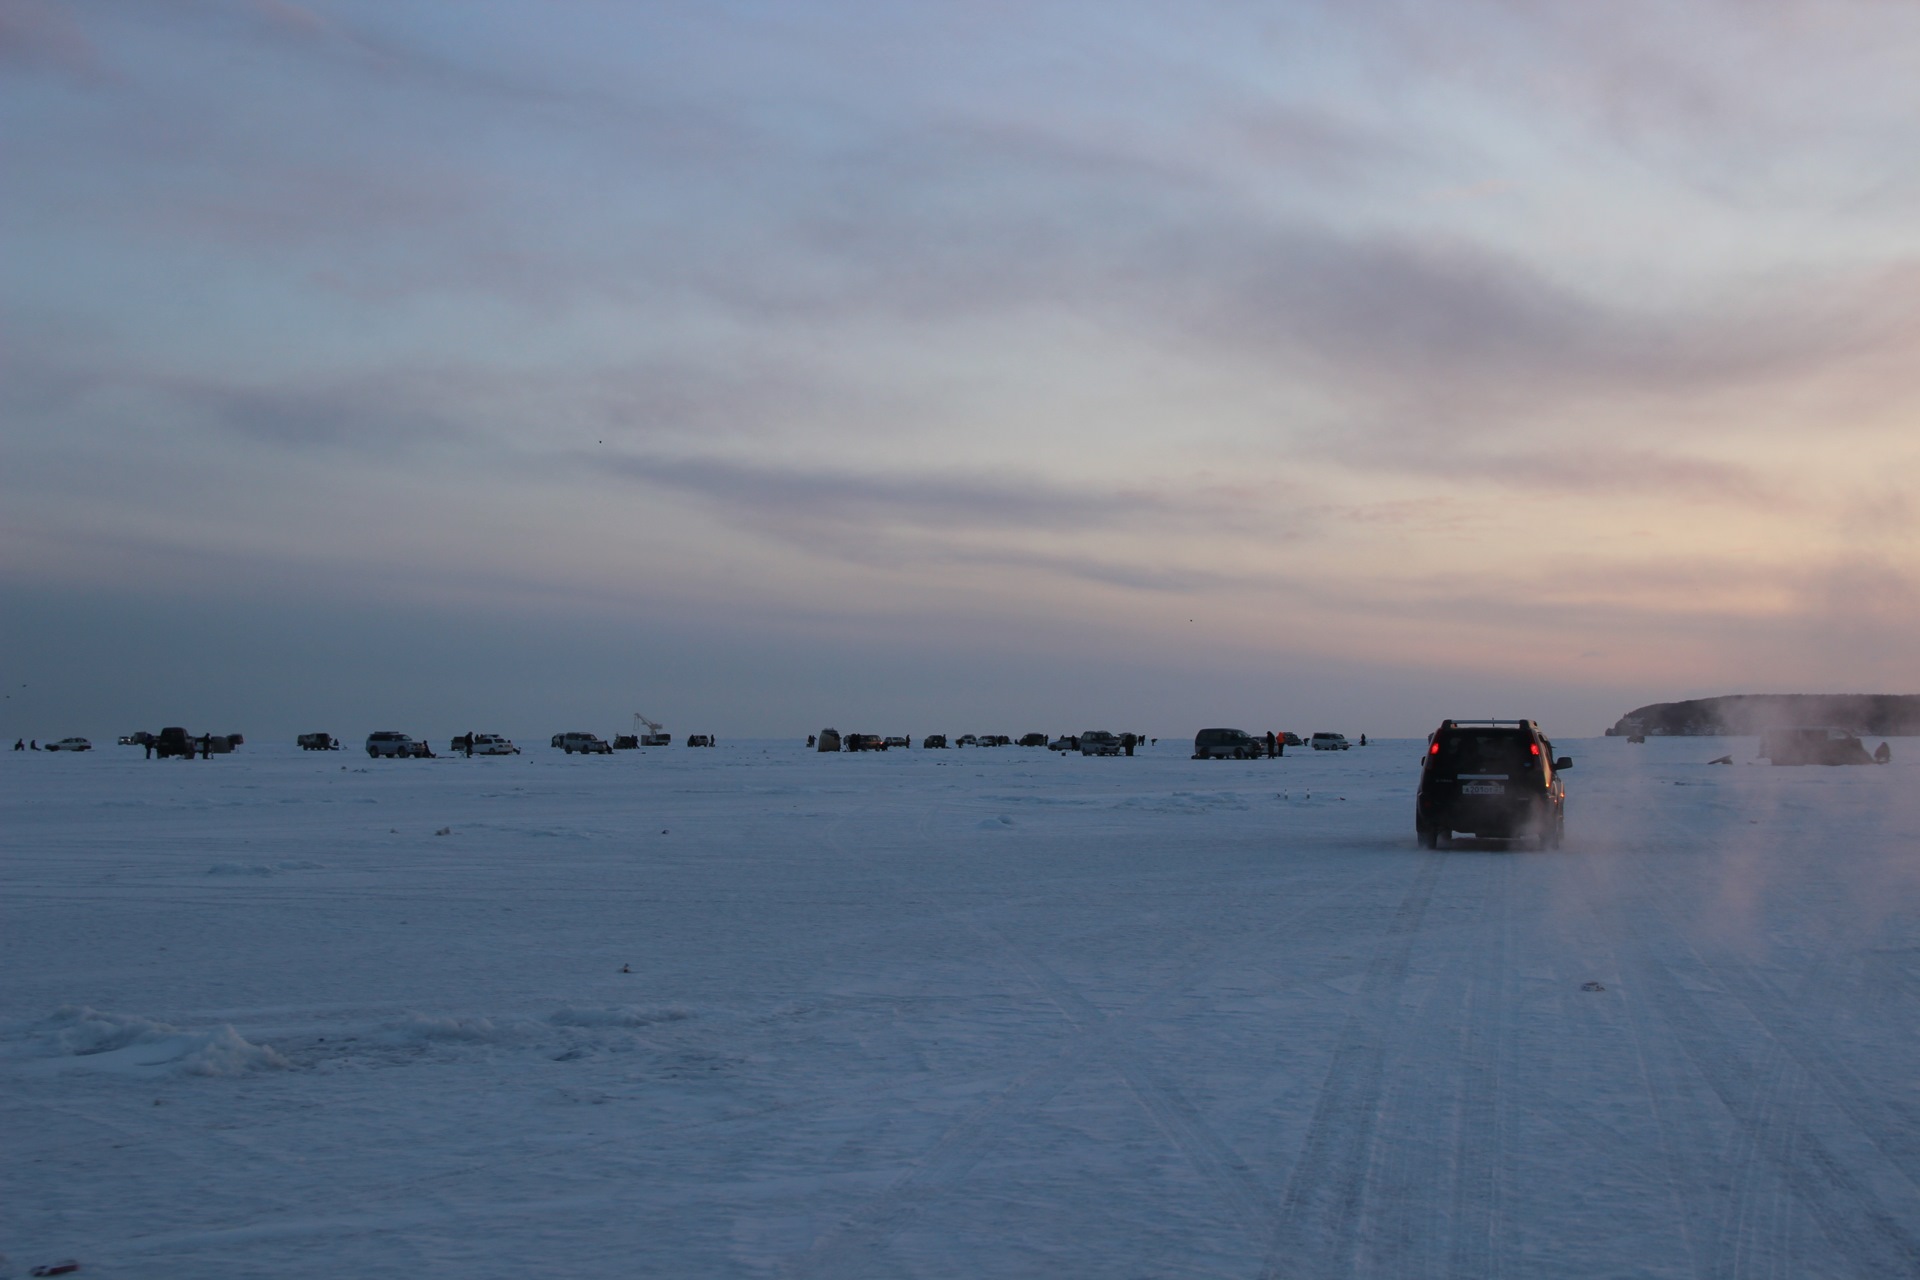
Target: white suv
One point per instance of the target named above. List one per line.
(1098, 742)
(1329, 742)
(492, 744)
(388, 743)
(585, 743)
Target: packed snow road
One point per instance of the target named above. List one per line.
(756, 1011)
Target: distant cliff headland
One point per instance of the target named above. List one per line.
(1887, 714)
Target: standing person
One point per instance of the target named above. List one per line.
(36, 744)
(19, 744)
(206, 746)
(1363, 739)
(148, 744)
(1270, 741)
(1279, 744)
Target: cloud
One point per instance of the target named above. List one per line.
(1574, 469)
(36, 35)
(921, 521)
(840, 496)
(373, 413)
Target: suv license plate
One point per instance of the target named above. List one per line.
(1483, 788)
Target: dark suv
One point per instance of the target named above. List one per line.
(1493, 778)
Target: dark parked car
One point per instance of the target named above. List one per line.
(1033, 740)
(1227, 744)
(865, 742)
(317, 742)
(172, 742)
(1493, 778)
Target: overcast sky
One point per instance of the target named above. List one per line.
(969, 367)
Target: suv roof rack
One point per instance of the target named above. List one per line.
(1453, 724)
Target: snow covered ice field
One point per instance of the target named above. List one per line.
(953, 1014)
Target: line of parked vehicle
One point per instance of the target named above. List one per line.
(1208, 744)
(389, 744)
(1094, 742)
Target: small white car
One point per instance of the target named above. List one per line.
(1329, 742)
(1098, 742)
(492, 744)
(69, 744)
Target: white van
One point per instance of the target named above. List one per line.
(1329, 742)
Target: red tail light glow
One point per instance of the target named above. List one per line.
(1534, 747)
(1434, 750)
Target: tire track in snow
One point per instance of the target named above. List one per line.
(1326, 1186)
(1687, 1143)
(1768, 1098)
(1175, 1115)
(1892, 1127)
(857, 1245)
(1480, 1141)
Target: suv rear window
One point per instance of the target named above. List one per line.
(1485, 751)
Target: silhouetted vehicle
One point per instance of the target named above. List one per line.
(1330, 742)
(317, 742)
(388, 745)
(700, 739)
(896, 740)
(829, 740)
(966, 740)
(173, 742)
(1493, 778)
(1292, 739)
(1033, 740)
(865, 742)
(1227, 744)
(626, 742)
(492, 744)
(934, 742)
(586, 744)
(1813, 746)
(1064, 742)
(1098, 742)
(69, 744)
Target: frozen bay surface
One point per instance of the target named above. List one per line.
(760, 1012)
